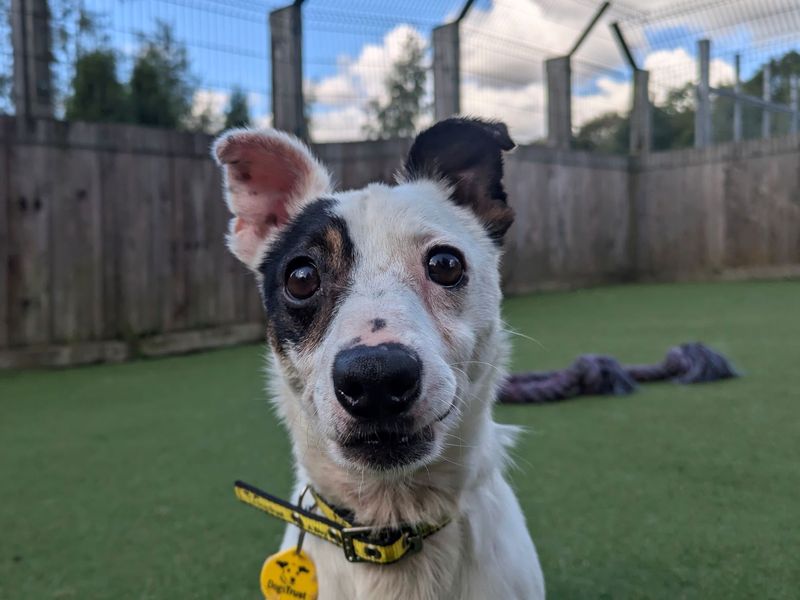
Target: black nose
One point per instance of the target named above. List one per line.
(375, 382)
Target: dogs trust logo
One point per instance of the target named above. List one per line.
(288, 576)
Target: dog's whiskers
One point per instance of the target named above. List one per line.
(479, 362)
(508, 330)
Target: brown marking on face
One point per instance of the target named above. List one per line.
(320, 235)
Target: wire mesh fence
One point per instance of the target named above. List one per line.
(367, 64)
(189, 56)
(6, 58)
(368, 67)
(760, 32)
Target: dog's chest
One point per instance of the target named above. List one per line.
(430, 575)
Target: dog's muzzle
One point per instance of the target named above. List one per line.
(377, 386)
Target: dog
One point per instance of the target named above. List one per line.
(387, 346)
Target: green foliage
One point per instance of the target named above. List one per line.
(608, 133)
(161, 86)
(96, 93)
(76, 31)
(159, 93)
(6, 61)
(405, 86)
(673, 120)
(782, 70)
(673, 126)
(238, 112)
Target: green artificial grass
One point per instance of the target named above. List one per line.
(116, 481)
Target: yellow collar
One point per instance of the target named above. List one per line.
(376, 545)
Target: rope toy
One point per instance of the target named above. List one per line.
(595, 374)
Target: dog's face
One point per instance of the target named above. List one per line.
(290, 573)
(376, 298)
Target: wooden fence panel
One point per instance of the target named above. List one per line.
(76, 247)
(229, 273)
(762, 211)
(32, 175)
(201, 243)
(177, 295)
(112, 233)
(572, 221)
(5, 207)
(135, 230)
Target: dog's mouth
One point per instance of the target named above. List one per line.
(386, 449)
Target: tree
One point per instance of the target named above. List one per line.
(6, 62)
(405, 86)
(607, 133)
(96, 93)
(161, 86)
(673, 119)
(238, 112)
(781, 70)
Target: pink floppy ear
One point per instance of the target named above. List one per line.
(269, 176)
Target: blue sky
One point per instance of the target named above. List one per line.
(228, 45)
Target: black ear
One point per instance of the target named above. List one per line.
(468, 155)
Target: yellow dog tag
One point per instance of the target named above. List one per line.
(289, 575)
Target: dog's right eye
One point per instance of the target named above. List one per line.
(302, 279)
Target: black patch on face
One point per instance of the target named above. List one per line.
(378, 324)
(322, 236)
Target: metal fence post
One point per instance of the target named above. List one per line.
(794, 102)
(702, 115)
(766, 115)
(286, 32)
(641, 114)
(30, 38)
(446, 71)
(559, 102)
(737, 103)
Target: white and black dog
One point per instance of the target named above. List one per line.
(383, 317)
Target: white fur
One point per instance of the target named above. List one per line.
(485, 552)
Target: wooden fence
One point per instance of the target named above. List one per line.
(111, 237)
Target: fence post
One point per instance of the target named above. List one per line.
(446, 71)
(641, 114)
(30, 38)
(794, 101)
(766, 116)
(737, 103)
(702, 115)
(559, 102)
(286, 32)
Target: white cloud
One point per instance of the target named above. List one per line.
(612, 96)
(341, 124)
(521, 107)
(675, 68)
(503, 48)
(210, 105)
(364, 77)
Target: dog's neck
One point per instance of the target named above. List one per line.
(429, 494)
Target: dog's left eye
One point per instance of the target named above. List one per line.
(302, 279)
(445, 266)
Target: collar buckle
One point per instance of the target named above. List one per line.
(412, 543)
(348, 535)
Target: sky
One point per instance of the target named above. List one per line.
(350, 45)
